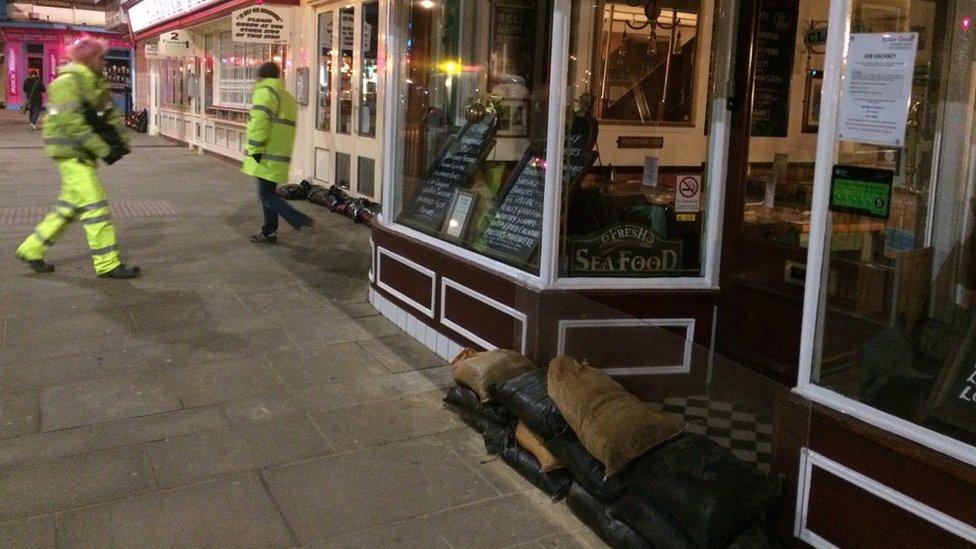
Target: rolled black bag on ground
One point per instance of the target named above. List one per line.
(656, 526)
(469, 407)
(586, 469)
(593, 514)
(555, 484)
(757, 537)
(318, 195)
(292, 192)
(712, 495)
(526, 396)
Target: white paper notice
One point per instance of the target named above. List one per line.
(650, 171)
(878, 88)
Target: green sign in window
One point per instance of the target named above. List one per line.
(861, 191)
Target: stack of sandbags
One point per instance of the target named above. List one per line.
(640, 481)
(476, 373)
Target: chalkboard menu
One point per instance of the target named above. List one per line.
(775, 51)
(428, 207)
(579, 149)
(954, 397)
(515, 229)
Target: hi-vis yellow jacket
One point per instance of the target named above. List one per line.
(271, 131)
(67, 134)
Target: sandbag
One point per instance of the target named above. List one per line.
(497, 437)
(294, 192)
(527, 397)
(711, 494)
(583, 467)
(757, 537)
(657, 526)
(593, 514)
(318, 195)
(555, 484)
(534, 445)
(614, 426)
(467, 401)
(489, 367)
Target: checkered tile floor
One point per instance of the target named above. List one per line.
(749, 439)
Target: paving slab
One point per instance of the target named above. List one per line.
(60, 484)
(498, 522)
(19, 414)
(32, 533)
(401, 353)
(235, 448)
(337, 495)
(45, 446)
(410, 534)
(324, 365)
(156, 427)
(232, 512)
(387, 421)
(94, 401)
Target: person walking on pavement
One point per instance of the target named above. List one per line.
(33, 88)
(81, 127)
(270, 137)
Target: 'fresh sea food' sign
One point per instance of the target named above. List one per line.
(625, 249)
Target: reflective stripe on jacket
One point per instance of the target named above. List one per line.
(66, 132)
(270, 131)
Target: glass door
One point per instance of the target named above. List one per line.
(347, 143)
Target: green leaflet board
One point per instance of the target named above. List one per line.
(861, 191)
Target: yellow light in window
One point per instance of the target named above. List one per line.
(427, 4)
(450, 67)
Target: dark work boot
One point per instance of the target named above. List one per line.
(38, 265)
(122, 271)
(262, 238)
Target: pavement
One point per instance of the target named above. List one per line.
(237, 395)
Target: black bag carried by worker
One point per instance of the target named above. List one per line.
(593, 514)
(478, 416)
(107, 131)
(712, 495)
(586, 469)
(293, 191)
(526, 396)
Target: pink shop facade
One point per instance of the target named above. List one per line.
(32, 46)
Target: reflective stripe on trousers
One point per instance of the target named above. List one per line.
(82, 198)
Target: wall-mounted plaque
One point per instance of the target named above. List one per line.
(640, 142)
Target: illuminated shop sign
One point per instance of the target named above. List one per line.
(148, 13)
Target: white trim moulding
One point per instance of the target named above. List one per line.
(427, 309)
(687, 323)
(514, 313)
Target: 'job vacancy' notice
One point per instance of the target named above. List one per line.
(878, 88)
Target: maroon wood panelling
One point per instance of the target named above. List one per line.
(496, 327)
(935, 480)
(847, 516)
(406, 279)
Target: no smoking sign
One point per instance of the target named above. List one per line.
(687, 194)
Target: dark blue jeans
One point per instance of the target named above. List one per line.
(274, 206)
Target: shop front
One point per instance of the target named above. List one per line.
(786, 186)
(201, 93)
(41, 48)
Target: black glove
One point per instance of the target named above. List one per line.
(116, 154)
(256, 157)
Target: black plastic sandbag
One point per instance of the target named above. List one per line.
(478, 416)
(593, 514)
(318, 195)
(554, 483)
(712, 495)
(527, 397)
(587, 471)
(655, 525)
(757, 537)
(294, 192)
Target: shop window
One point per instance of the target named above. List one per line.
(324, 116)
(237, 69)
(347, 22)
(173, 86)
(897, 318)
(368, 69)
(366, 176)
(645, 59)
(634, 206)
(343, 174)
(473, 113)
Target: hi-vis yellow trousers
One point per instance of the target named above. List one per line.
(82, 198)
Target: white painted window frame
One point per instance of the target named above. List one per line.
(813, 310)
(549, 255)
